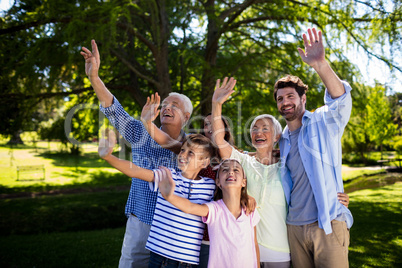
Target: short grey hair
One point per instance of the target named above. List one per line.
(276, 125)
(188, 106)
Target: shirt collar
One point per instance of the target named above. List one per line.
(307, 115)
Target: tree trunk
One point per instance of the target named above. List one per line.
(15, 138)
(211, 51)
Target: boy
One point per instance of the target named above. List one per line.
(175, 237)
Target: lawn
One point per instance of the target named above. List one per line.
(62, 170)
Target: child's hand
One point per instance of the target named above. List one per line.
(106, 143)
(166, 183)
(250, 207)
(223, 92)
(150, 111)
(343, 199)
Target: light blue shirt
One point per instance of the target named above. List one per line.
(320, 149)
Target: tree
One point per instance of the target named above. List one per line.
(379, 118)
(184, 46)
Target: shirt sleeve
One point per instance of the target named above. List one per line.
(239, 156)
(154, 185)
(130, 128)
(255, 218)
(211, 217)
(335, 115)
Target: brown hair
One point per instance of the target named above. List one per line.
(218, 191)
(207, 145)
(228, 133)
(290, 81)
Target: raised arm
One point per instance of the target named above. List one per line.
(221, 94)
(105, 149)
(92, 63)
(149, 113)
(167, 186)
(314, 55)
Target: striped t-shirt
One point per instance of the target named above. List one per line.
(174, 234)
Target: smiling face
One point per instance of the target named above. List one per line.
(173, 112)
(231, 174)
(290, 105)
(192, 157)
(263, 133)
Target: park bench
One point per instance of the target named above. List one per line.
(383, 161)
(36, 171)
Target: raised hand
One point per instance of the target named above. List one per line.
(150, 111)
(106, 143)
(92, 60)
(222, 92)
(314, 52)
(166, 183)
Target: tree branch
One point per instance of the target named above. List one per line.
(132, 68)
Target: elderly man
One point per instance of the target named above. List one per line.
(311, 155)
(146, 153)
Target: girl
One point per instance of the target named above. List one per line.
(232, 232)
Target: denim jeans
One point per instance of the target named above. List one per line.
(158, 261)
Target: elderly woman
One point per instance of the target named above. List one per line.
(263, 177)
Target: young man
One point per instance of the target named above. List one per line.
(318, 225)
(146, 153)
(175, 237)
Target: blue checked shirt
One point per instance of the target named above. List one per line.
(146, 153)
(319, 144)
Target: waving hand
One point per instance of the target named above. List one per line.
(222, 92)
(150, 111)
(92, 59)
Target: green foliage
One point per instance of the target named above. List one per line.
(184, 46)
(379, 118)
(371, 121)
(398, 146)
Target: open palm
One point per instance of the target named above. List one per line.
(222, 92)
(150, 111)
(314, 52)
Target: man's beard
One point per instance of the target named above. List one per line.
(298, 110)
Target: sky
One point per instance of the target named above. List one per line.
(372, 70)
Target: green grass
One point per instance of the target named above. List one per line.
(63, 170)
(100, 248)
(350, 175)
(376, 236)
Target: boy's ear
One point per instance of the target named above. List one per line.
(206, 162)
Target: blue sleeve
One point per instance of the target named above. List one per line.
(336, 112)
(130, 128)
